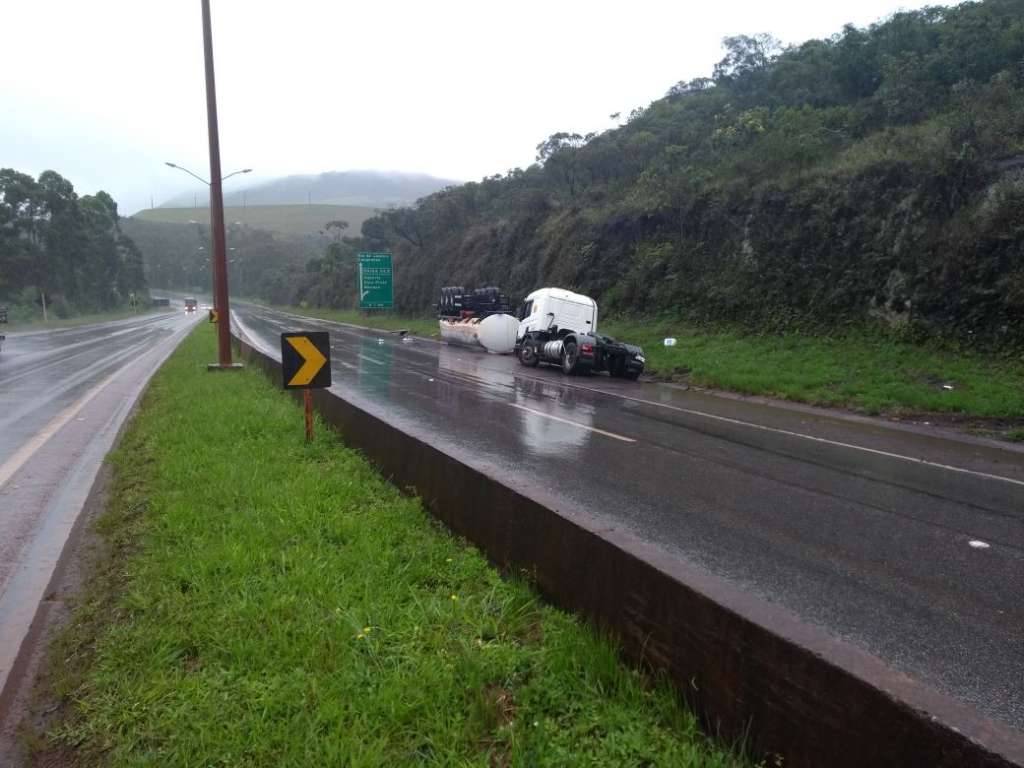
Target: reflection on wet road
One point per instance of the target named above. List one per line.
(854, 525)
(64, 394)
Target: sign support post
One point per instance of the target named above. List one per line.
(307, 399)
(306, 365)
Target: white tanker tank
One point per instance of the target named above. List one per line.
(495, 333)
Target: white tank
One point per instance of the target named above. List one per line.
(496, 333)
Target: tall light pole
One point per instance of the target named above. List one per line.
(220, 266)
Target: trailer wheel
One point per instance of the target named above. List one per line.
(570, 356)
(528, 355)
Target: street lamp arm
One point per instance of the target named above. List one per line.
(186, 170)
(244, 170)
(194, 176)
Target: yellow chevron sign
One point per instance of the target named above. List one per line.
(306, 360)
(214, 316)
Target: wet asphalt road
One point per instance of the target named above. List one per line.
(64, 394)
(903, 542)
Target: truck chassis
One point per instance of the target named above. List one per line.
(581, 353)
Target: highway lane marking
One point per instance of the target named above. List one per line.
(23, 454)
(774, 430)
(978, 544)
(574, 423)
(812, 438)
(58, 356)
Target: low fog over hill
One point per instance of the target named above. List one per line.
(375, 189)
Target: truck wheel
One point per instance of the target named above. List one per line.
(570, 355)
(528, 355)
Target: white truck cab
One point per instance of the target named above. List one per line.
(548, 308)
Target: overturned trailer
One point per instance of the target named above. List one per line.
(477, 318)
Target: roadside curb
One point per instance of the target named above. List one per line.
(750, 669)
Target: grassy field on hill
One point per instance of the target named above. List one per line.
(263, 601)
(287, 219)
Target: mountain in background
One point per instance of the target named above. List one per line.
(873, 178)
(374, 189)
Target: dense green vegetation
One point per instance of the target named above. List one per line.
(63, 247)
(871, 178)
(265, 602)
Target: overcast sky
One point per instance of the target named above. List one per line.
(105, 91)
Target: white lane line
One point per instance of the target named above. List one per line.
(574, 423)
(978, 544)
(778, 431)
(23, 454)
(813, 439)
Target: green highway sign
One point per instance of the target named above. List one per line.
(376, 281)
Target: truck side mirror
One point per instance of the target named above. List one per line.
(551, 318)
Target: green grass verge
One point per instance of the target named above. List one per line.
(867, 373)
(875, 375)
(20, 323)
(267, 602)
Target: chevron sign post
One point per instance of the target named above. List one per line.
(306, 365)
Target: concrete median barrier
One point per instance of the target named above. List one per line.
(752, 670)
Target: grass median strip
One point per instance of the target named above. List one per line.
(268, 602)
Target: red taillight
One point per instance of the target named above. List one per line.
(587, 349)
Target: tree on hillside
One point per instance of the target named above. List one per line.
(336, 228)
(559, 155)
(745, 56)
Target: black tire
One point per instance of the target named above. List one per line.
(528, 355)
(632, 374)
(570, 356)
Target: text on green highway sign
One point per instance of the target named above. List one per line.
(376, 281)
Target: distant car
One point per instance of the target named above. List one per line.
(190, 305)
